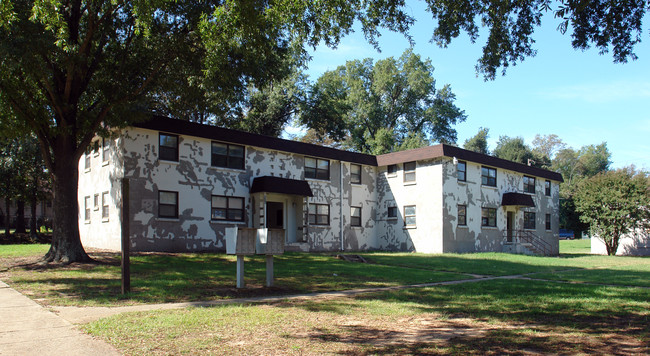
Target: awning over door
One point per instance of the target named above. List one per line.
(518, 199)
(280, 185)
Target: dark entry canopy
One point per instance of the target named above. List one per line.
(517, 199)
(280, 185)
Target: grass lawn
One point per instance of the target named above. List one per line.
(582, 246)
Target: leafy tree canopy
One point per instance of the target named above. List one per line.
(513, 149)
(478, 143)
(615, 203)
(381, 107)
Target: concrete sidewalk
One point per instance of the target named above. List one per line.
(26, 328)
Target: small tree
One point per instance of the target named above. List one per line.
(614, 203)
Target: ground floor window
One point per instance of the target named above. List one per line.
(489, 217)
(529, 220)
(227, 208)
(319, 214)
(409, 215)
(87, 208)
(462, 215)
(105, 205)
(548, 221)
(392, 212)
(355, 216)
(167, 204)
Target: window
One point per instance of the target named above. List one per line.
(392, 212)
(489, 176)
(95, 148)
(167, 204)
(462, 171)
(392, 169)
(227, 208)
(105, 149)
(548, 221)
(547, 188)
(462, 215)
(409, 171)
(87, 208)
(489, 217)
(409, 215)
(228, 156)
(355, 174)
(96, 202)
(87, 159)
(355, 216)
(168, 147)
(529, 184)
(105, 205)
(529, 220)
(317, 168)
(319, 214)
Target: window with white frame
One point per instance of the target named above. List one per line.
(105, 205)
(316, 168)
(547, 188)
(392, 169)
(409, 215)
(489, 217)
(409, 171)
(96, 202)
(228, 155)
(227, 208)
(461, 169)
(529, 184)
(168, 147)
(319, 214)
(355, 216)
(355, 173)
(87, 159)
(167, 204)
(489, 176)
(105, 149)
(87, 208)
(529, 220)
(462, 214)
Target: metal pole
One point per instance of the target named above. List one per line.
(269, 270)
(126, 262)
(240, 271)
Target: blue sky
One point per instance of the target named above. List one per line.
(582, 97)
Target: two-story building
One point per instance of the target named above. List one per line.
(188, 182)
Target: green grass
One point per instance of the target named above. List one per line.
(7, 251)
(582, 246)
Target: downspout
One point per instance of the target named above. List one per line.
(341, 204)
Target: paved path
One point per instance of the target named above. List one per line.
(26, 328)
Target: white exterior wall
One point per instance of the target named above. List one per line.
(98, 232)
(637, 244)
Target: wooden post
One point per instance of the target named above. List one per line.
(240, 271)
(269, 270)
(126, 263)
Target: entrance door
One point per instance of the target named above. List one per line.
(274, 215)
(509, 225)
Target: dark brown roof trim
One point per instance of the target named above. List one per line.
(518, 199)
(464, 155)
(182, 127)
(281, 185)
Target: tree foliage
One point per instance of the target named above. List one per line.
(384, 106)
(513, 149)
(478, 143)
(614, 203)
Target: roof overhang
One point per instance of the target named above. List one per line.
(269, 184)
(517, 199)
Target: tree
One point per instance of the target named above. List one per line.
(478, 143)
(547, 145)
(384, 106)
(615, 203)
(513, 149)
(608, 25)
(72, 69)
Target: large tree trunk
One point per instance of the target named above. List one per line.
(66, 244)
(7, 217)
(20, 217)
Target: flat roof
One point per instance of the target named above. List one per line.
(182, 127)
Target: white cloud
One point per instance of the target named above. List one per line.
(600, 92)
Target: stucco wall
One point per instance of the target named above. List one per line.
(637, 244)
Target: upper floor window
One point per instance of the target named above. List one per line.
(319, 214)
(169, 147)
(392, 212)
(227, 208)
(462, 215)
(489, 217)
(355, 216)
(529, 184)
(167, 204)
(87, 158)
(392, 169)
(529, 220)
(547, 188)
(105, 149)
(489, 176)
(317, 168)
(227, 155)
(409, 171)
(355, 174)
(409, 215)
(462, 171)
